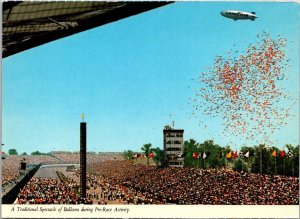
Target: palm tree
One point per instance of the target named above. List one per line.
(159, 155)
(147, 150)
(190, 147)
(167, 127)
(128, 154)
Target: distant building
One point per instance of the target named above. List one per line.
(23, 165)
(3, 155)
(71, 168)
(173, 147)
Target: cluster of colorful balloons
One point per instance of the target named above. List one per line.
(246, 91)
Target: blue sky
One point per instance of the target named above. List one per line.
(132, 77)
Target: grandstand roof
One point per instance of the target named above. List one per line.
(30, 24)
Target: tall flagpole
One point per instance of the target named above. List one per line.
(203, 161)
(249, 165)
(242, 162)
(260, 166)
(284, 165)
(275, 165)
(283, 160)
(203, 158)
(293, 166)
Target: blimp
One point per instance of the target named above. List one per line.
(238, 15)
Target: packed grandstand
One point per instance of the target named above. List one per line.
(113, 180)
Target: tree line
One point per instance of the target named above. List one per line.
(148, 151)
(255, 159)
(15, 152)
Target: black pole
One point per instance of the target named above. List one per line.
(275, 165)
(199, 162)
(293, 166)
(283, 165)
(83, 160)
(260, 166)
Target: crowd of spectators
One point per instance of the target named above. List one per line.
(91, 157)
(125, 182)
(138, 184)
(11, 173)
(37, 159)
(109, 176)
(51, 191)
(11, 163)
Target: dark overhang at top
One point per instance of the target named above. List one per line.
(173, 130)
(30, 24)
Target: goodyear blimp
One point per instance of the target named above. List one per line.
(239, 15)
